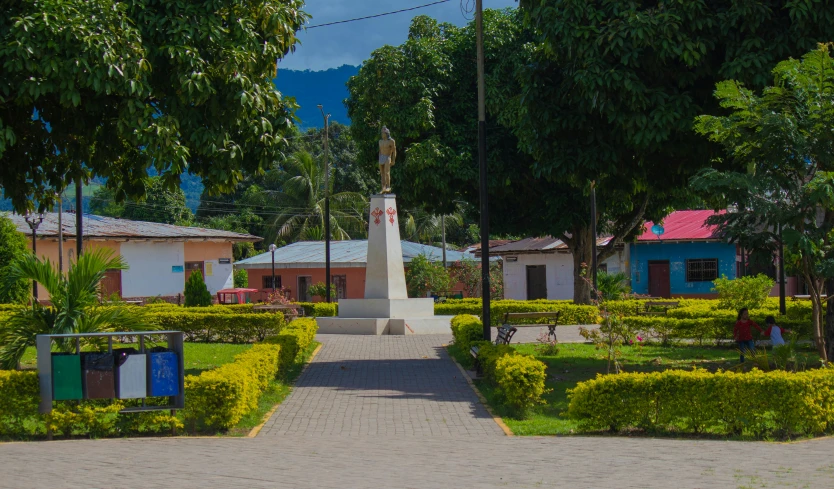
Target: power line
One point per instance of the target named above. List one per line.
(377, 15)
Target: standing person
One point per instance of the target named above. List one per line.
(775, 332)
(743, 334)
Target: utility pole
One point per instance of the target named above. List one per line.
(79, 218)
(326, 200)
(482, 163)
(594, 265)
(60, 234)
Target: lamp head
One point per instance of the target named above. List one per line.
(272, 247)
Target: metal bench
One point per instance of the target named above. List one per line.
(647, 308)
(505, 334)
(551, 327)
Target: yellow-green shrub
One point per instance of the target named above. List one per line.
(19, 396)
(756, 403)
(214, 324)
(466, 329)
(319, 309)
(521, 379)
(570, 313)
(294, 339)
(219, 398)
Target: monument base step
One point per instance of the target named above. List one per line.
(388, 326)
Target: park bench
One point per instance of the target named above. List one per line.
(648, 308)
(505, 334)
(551, 326)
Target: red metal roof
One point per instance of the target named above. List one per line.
(682, 226)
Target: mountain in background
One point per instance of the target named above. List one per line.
(311, 88)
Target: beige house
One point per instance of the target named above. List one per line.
(160, 257)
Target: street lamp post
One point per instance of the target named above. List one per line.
(33, 222)
(272, 249)
(326, 202)
(482, 164)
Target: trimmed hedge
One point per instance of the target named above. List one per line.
(757, 403)
(19, 417)
(319, 309)
(294, 339)
(519, 378)
(207, 325)
(219, 398)
(570, 313)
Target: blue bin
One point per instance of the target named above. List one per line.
(163, 373)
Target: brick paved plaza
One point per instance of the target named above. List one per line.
(395, 412)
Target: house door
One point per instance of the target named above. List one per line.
(659, 283)
(191, 266)
(536, 282)
(111, 284)
(304, 283)
(340, 283)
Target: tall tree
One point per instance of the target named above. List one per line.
(613, 87)
(780, 159)
(112, 88)
(12, 247)
(159, 204)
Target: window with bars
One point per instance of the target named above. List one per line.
(702, 270)
(267, 279)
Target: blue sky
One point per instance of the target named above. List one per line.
(352, 43)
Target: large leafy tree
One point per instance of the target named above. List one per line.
(613, 87)
(780, 159)
(74, 300)
(12, 247)
(111, 88)
(159, 204)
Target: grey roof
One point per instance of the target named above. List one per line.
(99, 227)
(343, 254)
(546, 244)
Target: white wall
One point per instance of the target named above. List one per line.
(150, 273)
(218, 276)
(559, 273)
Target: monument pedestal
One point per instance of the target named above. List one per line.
(386, 308)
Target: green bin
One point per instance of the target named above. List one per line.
(66, 376)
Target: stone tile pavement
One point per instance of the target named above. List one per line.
(404, 381)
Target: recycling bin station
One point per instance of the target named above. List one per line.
(121, 373)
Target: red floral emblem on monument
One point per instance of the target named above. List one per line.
(376, 213)
(391, 213)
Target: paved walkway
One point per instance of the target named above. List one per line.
(409, 445)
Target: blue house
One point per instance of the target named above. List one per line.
(681, 258)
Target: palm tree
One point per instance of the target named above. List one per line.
(75, 306)
(300, 203)
(426, 228)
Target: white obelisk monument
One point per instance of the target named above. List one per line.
(386, 308)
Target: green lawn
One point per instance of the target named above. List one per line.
(198, 356)
(578, 362)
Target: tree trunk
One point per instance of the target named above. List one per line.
(829, 319)
(581, 249)
(817, 320)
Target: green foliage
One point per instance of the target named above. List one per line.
(613, 286)
(570, 314)
(320, 290)
(319, 309)
(12, 246)
(762, 404)
(749, 292)
(74, 303)
(217, 399)
(157, 89)
(521, 380)
(423, 276)
(19, 397)
(217, 323)
(295, 339)
(780, 169)
(159, 204)
(467, 329)
(196, 292)
(241, 278)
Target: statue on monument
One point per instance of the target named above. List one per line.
(387, 156)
